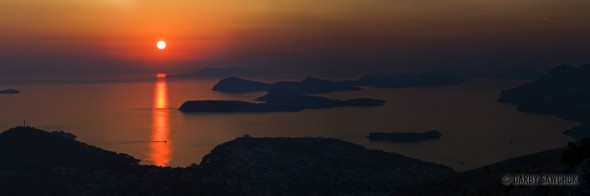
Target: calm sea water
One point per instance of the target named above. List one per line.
(140, 118)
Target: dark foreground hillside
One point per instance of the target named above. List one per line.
(564, 92)
(303, 166)
(23, 148)
(487, 180)
(36, 162)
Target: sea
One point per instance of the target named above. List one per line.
(141, 118)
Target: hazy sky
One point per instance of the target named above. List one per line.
(119, 36)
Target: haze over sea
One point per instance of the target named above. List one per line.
(141, 118)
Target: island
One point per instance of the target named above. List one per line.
(309, 85)
(239, 85)
(404, 137)
(9, 91)
(563, 92)
(279, 100)
(312, 85)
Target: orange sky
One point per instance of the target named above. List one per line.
(126, 31)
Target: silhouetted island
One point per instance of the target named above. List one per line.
(564, 92)
(314, 85)
(309, 85)
(239, 85)
(404, 136)
(9, 91)
(279, 100)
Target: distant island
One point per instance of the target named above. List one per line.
(279, 100)
(313, 85)
(9, 91)
(404, 137)
(239, 85)
(564, 92)
(308, 86)
(215, 72)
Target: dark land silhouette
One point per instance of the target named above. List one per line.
(308, 86)
(279, 100)
(25, 147)
(312, 85)
(564, 92)
(9, 91)
(311, 165)
(573, 159)
(36, 162)
(404, 137)
(579, 132)
(239, 85)
(487, 180)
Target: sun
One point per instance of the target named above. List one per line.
(161, 45)
(161, 75)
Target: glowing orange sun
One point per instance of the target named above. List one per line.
(161, 45)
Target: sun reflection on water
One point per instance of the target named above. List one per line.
(161, 151)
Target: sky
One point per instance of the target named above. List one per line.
(118, 37)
